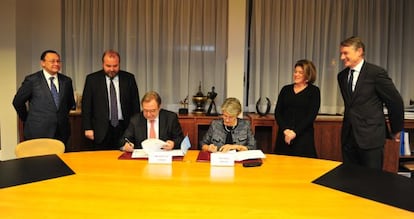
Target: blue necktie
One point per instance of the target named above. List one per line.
(114, 104)
(54, 91)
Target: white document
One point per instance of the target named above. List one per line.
(249, 154)
(139, 153)
(160, 158)
(222, 159)
(407, 150)
(153, 145)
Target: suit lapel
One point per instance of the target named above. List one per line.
(45, 87)
(104, 90)
(62, 88)
(344, 85)
(361, 77)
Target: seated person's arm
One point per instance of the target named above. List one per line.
(210, 148)
(128, 147)
(228, 147)
(169, 145)
(128, 139)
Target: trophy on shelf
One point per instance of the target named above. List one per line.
(212, 109)
(199, 100)
(263, 107)
(184, 106)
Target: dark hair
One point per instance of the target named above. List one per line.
(111, 53)
(355, 42)
(309, 69)
(42, 57)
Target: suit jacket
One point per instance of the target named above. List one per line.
(42, 118)
(95, 104)
(364, 113)
(169, 129)
(242, 134)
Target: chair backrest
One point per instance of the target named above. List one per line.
(39, 146)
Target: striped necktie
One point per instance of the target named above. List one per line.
(54, 92)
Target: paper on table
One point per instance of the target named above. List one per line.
(155, 145)
(140, 153)
(152, 145)
(249, 154)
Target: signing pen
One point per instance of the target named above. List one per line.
(129, 142)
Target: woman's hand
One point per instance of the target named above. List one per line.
(289, 136)
(228, 147)
(210, 148)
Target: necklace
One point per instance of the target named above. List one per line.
(228, 128)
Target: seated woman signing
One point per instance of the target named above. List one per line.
(229, 132)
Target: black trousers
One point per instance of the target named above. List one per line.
(352, 153)
(112, 138)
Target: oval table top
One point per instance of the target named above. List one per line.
(104, 186)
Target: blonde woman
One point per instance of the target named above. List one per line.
(229, 132)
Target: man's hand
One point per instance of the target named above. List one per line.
(89, 134)
(128, 147)
(169, 146)
(397, 137)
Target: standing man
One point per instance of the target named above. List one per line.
(110, 98)
(50, 98)
(365, 89)
(153, 122)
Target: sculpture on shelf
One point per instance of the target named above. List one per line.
(212, 109)
(184, 106)
(260, 105)
(199, 100)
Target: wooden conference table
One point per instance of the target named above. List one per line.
(105, 187)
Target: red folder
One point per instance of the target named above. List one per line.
(204, 156)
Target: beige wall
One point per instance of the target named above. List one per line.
(8, 82)
(236, 53)
(30, 27)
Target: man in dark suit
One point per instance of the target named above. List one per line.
(365, 89)
(153, 122)
(50, 98)
(110, 98)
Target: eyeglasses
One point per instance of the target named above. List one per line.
(227, 117)
(150, 111)
(54, 61)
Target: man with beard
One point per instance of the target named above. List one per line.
(110, 98)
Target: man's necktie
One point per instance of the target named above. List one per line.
(350, 81)
(54, 91)
(152, 129)
(114, 104)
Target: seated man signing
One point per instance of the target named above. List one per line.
(230, 132)
(152, 122)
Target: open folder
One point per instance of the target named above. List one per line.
(155, 145)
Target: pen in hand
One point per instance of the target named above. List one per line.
(129, 142)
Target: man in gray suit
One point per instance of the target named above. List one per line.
(105, 117)
(50, 98)
(365, 89)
